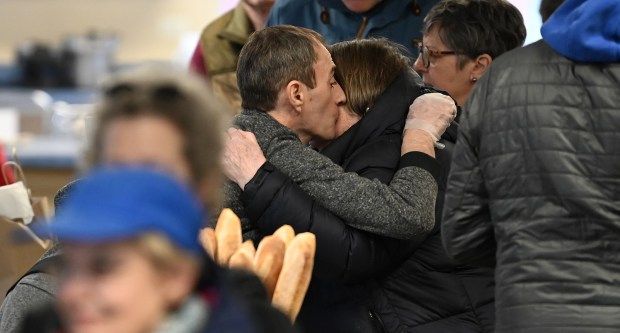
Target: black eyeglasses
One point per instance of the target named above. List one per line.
(426, 54)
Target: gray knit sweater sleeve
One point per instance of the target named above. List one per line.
(403, 209)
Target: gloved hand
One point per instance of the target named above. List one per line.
(431, 113)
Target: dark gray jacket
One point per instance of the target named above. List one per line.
(534, 187)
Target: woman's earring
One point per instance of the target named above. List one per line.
(473, 79)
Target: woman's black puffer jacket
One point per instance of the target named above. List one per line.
(398, 289)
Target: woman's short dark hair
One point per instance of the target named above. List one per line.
(272, 58)
(366, 67)
(475, 27)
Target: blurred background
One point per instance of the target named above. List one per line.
(53, 52)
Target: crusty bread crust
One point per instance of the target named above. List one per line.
(296, 273)
(268, 262)
(244, 257)
(208, 241)
(228, 236)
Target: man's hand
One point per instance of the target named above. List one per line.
(242, 156)
(429, 116)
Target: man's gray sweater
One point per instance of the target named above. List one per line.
(402, 210)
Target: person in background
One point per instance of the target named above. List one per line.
(415, 287)
(339, 20)
(461, 40)
(131, 260)
(217, 51)
(547, 7)
(536, 172)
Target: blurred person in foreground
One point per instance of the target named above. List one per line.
(399, 21)
(402, 285)
(461, 40)
(217, 51)
(535, 176)
(166, 119)
(131, 260)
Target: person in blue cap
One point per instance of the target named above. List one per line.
(132, 259)
(533, 188)
(166, 119)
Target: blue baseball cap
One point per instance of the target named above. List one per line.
(118, 203)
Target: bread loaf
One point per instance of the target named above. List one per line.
(208, 241)
(296, 273)
(286, 233)
(228, 236)
(268, 262)
(244, 257)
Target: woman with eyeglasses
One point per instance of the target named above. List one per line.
(460, 40)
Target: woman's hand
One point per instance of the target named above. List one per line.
(429, 116)
(242, 156)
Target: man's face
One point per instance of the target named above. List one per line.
(319, 114)
(360, 6)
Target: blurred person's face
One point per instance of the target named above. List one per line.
(114, 287)
(146, 140)
(319, 114)
(360, 6)
(444, 71)
(154, 141)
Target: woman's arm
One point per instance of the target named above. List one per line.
(343, 253)
(403, 209)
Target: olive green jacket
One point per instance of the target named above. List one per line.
(220, 42)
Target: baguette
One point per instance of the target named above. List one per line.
(268, 262)
(228, 236)
(296, 274)
(244, 257)
(286, 233)
(208, 241)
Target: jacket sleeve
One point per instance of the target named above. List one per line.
(343, 253)
(398, 210)
(467, 231)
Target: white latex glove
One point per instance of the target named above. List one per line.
(431, 113)
(242, 156)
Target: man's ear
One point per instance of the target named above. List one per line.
(296, 93)
(481, 64)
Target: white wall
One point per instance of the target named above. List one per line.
(531, 16)
(149, 29)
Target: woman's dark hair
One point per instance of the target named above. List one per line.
(273, 57)
(365, 68)
(475, 27)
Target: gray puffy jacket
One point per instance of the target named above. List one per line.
(535, 189)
